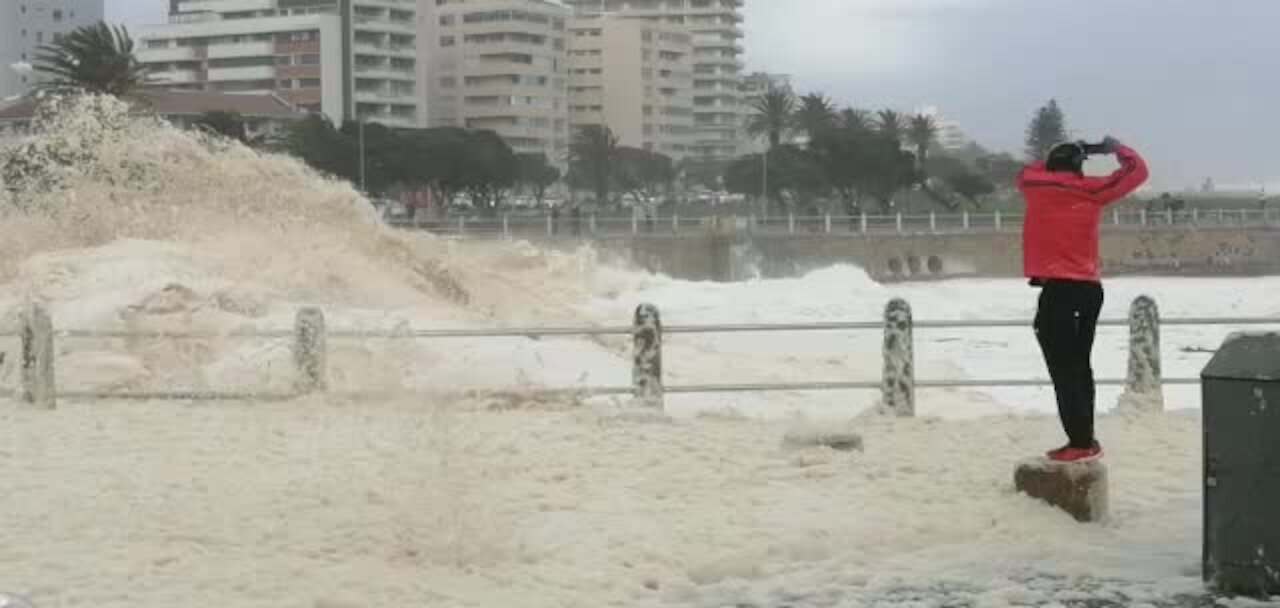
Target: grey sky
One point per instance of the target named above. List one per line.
(1189, 82)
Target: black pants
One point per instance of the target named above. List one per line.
(1065, 325)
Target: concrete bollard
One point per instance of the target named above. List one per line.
(310, 351)
(897, 385)
(1078, 488)
(39, 386)
(1143, 389)
(646, 371)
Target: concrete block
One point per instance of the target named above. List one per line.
(1079, 488)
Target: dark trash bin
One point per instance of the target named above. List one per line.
(1241, 392)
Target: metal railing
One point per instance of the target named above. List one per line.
(540, 225)
(310, 336)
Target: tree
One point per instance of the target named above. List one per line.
(816, 115)
(488, 169)
(855, 119)
(1047, 129)
(959, 179)
(95, 58)
(385, 156)
(890, 124)
(591, 157)
(319, 144)
(1000, 169)
(643, 174)
(794, 175)
(538, 174)
(922, 131)
(226, 124)
(972, 186)
(702, 173)
(771, 114)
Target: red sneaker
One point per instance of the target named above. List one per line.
(1070, 454)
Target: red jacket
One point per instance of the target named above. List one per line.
(1064, 210)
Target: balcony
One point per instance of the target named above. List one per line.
(178, 77)
(166, 55)
(246, 73)
(243, 49)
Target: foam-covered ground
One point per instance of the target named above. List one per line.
(428, 498)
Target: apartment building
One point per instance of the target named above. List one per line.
(347, 59)
(25, 25)
(951, 136)
(501, 65)
(636, 77)
(716, 29)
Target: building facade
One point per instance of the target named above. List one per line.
(951, 136)
(348, 59)
(501, 65)
(716, 30)
(25, 25)
(636, 77)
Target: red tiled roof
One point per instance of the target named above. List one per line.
(183, 103)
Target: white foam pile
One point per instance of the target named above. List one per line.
(514, 500)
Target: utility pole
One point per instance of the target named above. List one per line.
(360, 121)
(764, 181)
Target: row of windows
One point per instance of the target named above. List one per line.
(504, 16)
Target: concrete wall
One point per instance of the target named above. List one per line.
(726, 256)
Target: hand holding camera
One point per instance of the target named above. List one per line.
(1109, 145)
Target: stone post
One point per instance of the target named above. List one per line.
(1143, 389)
(39, 386)
(646, 375)
(309, 351)
(897, 385)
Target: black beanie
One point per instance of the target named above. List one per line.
(1066, 157)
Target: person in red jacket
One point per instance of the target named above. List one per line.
(1060, 255)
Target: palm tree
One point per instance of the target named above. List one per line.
(816, 115)
(890, 124)
(95, 58)
(921, 132)
(855, 119)
(771, 114)
(591, 158)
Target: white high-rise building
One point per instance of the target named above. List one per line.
(25, 25)
(501, 65)
(950, 135)
(348, 59)
(716, 27)
(636, 77)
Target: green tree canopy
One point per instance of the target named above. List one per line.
(591, 159)
(96, 58)
(771, 114)
(1047, 128)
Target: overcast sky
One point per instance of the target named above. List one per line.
(1191, 83)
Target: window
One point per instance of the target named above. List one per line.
(447, 41)
(57, 16)
(39, 36)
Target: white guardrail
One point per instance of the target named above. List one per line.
(545, 225)
(310, 336)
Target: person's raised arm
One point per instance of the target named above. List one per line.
(1133, 172)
